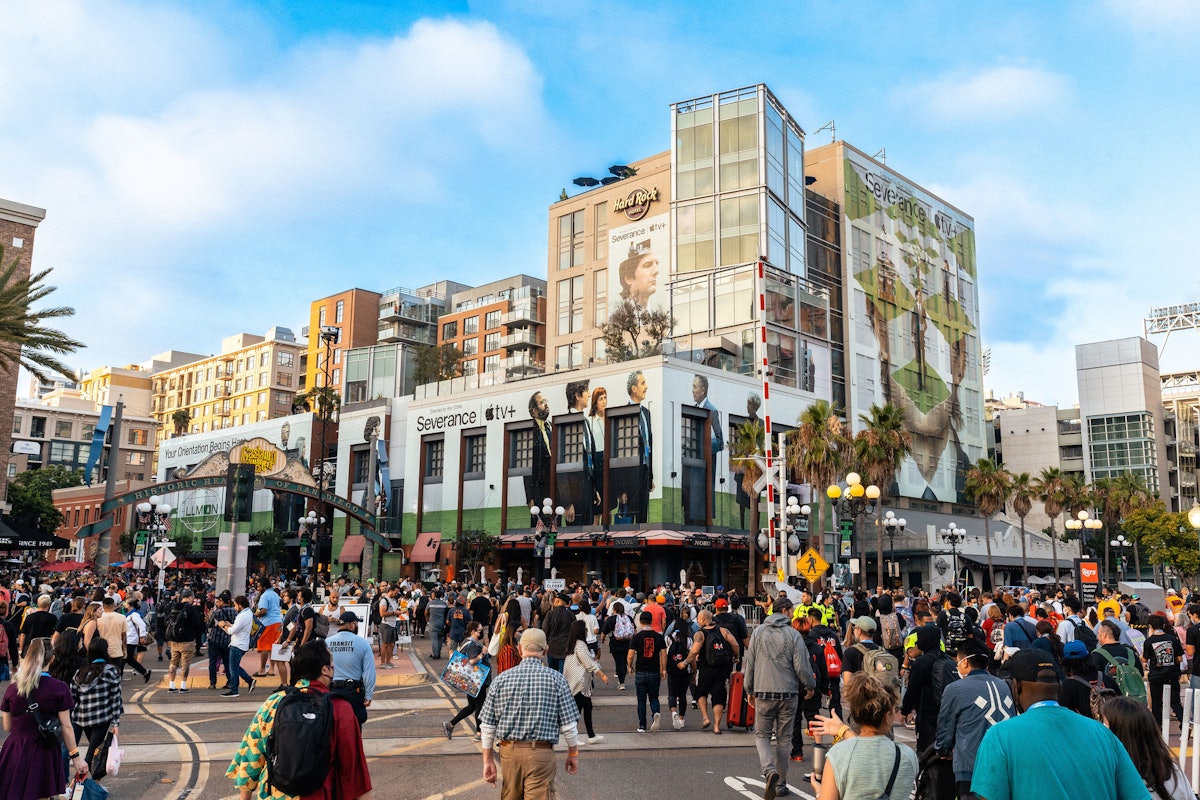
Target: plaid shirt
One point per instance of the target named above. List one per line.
(529, 702)
(217, 636)
(99, 702)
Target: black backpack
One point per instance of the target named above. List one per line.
(178, 624)
(299, 746)
(1086, 635)
(716, 649)
(958, 629)
(943, 673)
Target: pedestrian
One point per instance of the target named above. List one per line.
(817, 636)
(28, 769)
(96, 689)
(111, 627)
(436, 614)
(218, 637)
(67, 656)
(269, 614)
(866, 764)
(184, 625)
(557, 626)
(38, 623)
(239, 643)
(348, 777)
(137, 634)
(389, 618)
(529, 707)
(579, 669)
(714, 651)
(475, 651)
(647, 660)
(618, 629)
(777, 673)
(1006, 766)
(353, 665)
(969, 707)
(679, 670)
(1138, 731)
(931, 672)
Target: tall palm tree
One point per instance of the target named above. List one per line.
(1105, 496)
(25, 341)
(180, 421)
(743, 446)
(1022, 497)
(1052, 490)
(1133, 495)
(988, 486)
(879, 448)
(818, 450)
(321, 400)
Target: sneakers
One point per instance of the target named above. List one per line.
(146, 677)
(448, 729)
(230, 694)
(798, 757)
(772, 790)
(183, 689)
(253, 685)
(172, 689)
(593, 739)
(621, 688)
(641, 730)
(654, 723)
(676, 721)
(783, 791)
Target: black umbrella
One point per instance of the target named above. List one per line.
(586, 182)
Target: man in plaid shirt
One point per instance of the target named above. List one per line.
(218, 637)
(525, 711)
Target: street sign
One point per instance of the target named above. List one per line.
(811, 565)
(769, 475)
(163, 557)
(555, 584)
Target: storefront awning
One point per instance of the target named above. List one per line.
(352, 550)
(426, 549)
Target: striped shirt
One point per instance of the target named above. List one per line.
(529, 702)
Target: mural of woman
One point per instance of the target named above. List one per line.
(593, 443)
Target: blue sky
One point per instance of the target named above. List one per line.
(210, 168)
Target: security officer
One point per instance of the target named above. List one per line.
(353, 665)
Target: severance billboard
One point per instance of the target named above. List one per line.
(911, 258)
(639, 255)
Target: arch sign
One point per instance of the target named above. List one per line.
(273, 469)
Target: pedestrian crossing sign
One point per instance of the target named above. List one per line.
(811, 565)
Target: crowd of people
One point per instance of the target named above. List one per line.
(977, 677)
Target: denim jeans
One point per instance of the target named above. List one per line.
(235, 670)
(1194, 681)
(647, 685)
(774, 717)
(556, 664)
(437, 637)
(218, 655)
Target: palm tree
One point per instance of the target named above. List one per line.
(1023, 494)
(322, 400)
(1052, 489)
(988, 486)
(879, 450)
(744, 446)
(1104, 495)
(817, 451)
(1132, 495)
(180, 421)
(24, 339)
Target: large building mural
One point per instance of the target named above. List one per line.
(910, 263)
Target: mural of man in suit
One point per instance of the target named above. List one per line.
(537, 484)
(639, 498)
(698, 482)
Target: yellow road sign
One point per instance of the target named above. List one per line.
(811, 565)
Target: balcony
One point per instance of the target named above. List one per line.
(522, 368)
(520, 339)
(406, 332)
(522, 314)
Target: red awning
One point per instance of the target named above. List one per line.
(425, 551)
(352, 550)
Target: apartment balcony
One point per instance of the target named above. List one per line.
(515, 368)
(522, 314)
(407, 332)
(521, 340)
(221, 412)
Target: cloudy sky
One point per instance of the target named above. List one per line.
(209, 168)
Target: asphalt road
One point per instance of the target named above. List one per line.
(178, 746)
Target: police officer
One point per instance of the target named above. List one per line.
(353, 665)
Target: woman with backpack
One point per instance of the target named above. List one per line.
(679, 671)
(578, 669)
(619, 629)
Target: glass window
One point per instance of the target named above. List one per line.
(570, 240)
(86, 430)
(62, 429)
(435, 451)
(689, 306)
(135, 459)
(470, 325)
(781, 300)
(628, 436)
(37, 428)
(138, 436)
(694, 153)
(736, 290)
(775, 153)
(600, 294)
(739, 230)
(287, 359)
(492, 320)
(568, 356)
(339, 311)
(600, 250)
(321, 316)
(491, 342)
(695, 224)
(476, 456)
(17, 420)
(283, 378)
(449, 330)
(264, 360)
(520, 449)
(470, 346)
(491, 363)
(570, 305)
(571, 442)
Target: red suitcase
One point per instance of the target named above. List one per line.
(739, 713)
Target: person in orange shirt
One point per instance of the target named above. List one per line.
(1174, 603)
(658, 614)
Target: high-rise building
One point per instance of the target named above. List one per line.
(499, 327)
(131, 385)
(355, 315)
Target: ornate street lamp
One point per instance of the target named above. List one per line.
(854, 502)
(154, 518)
(314, 526)
(893, 525)
(545, 531)
(954, 536)
(1120, 543)
(1084, 522)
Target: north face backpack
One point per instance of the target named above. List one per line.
(299, 747)
(178, 629)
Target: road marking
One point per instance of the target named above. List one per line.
(458, 790)
(753, 789)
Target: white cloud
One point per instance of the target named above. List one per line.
(1169, 18)
(1005, 92)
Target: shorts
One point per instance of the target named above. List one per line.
(713, 681)
(268, 637)
(387, 634)
(182, 654)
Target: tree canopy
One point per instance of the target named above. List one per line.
(436, 363)
(635, 332)
(32, 496)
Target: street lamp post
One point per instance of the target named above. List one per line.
(1120, 543)
(154, 518)
(329, 337)
(795, 523)
(893, 525)
(545, 531)
(313, 526)
(855, 501)
(954, 536)
(1084, 522)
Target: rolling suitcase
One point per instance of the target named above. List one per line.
(739, 713)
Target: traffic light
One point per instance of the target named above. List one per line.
(239, 492)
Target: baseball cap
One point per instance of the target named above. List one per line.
(348, 617)
(1075, 649)
(566, 598)
(1134, 597)
(864, 624)
(1032, 665)
(1172, 591)
(721, 602)
(534, 639)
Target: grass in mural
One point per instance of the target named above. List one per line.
(928, 393)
